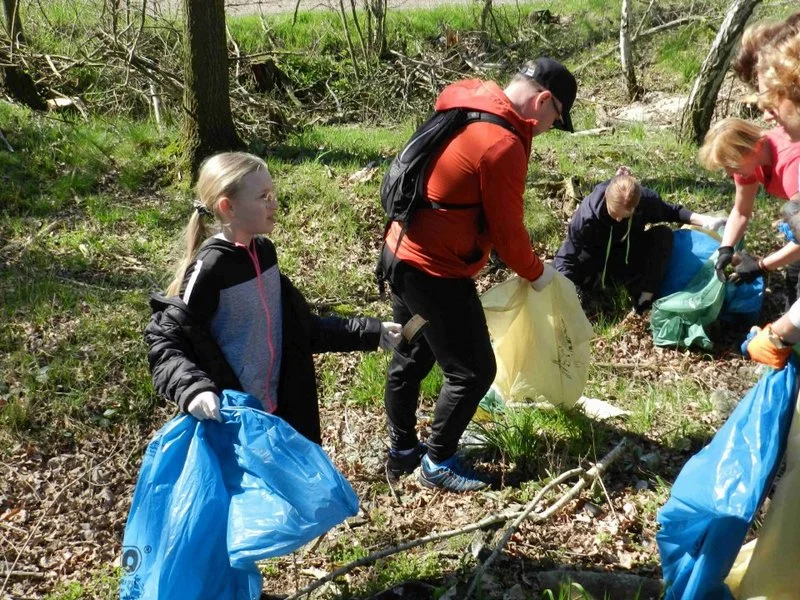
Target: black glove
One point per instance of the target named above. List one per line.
(747, 270)
(724, 258)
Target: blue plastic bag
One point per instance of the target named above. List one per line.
(690, 249)
(213, 498)
(717, 493)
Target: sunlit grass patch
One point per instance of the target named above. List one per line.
(527, 435)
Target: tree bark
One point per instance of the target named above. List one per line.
(18, 82)
(208, 124)
(696, 118)
(626, 52)
(13, 22)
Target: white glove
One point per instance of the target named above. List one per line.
(544, 279)
(623, 170)
(390, 335)
(205, 406)
(714, 223)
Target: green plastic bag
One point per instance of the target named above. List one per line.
(680, 318)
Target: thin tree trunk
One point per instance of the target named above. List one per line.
(626, 52)
(18, 82)
(13, 22)
(208, 124)
(346, 29)
(696, 118)
(486, 12)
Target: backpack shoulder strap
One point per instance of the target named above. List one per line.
(471, 117)
(477, 115)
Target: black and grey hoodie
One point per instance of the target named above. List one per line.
(238, 323)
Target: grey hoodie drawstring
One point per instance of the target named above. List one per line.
(605, 263)
(628, 239)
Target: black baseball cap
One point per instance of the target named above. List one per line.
(556, 78)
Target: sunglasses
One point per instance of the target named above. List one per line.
(560, 118)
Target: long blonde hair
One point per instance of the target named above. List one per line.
(219, 177)
(728, 143)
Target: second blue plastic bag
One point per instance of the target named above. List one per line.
(213, 498)
(717, 493)
(690, 249)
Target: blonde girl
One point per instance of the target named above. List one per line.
(753, 158)
(230, 319)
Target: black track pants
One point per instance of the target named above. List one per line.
(456, 338)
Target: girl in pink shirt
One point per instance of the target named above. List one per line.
(753, 158)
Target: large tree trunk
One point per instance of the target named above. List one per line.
(18, 82)
(699, 109)
(626, 52)
(208, 125)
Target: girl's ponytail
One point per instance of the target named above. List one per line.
(195, 234)
(219, 176)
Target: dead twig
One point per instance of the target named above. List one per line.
(485, 523)
(586, 477)
(5, 142)
(46, 510)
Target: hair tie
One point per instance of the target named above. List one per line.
(201, 209)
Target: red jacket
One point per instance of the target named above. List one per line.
(483, 163)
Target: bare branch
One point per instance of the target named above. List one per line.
(485, 523)
(586, 477)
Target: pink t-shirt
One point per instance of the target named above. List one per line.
(782, 178)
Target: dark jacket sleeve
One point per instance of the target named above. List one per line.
(658, 211)
(583, 249)
(173, 363)
(332, 334)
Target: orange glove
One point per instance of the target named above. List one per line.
(766, 347)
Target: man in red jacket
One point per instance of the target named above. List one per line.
(430, 270)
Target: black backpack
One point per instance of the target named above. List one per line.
(402, 188)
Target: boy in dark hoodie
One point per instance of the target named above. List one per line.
(607, 240)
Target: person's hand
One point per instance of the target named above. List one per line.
(765, 347)
(390, 335)
(724, 258)
(623, 170)
(544, 279)
(748, 268)
(205, 405)
(790, 213)
(714, 223)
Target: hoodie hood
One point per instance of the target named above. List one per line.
(486, 96)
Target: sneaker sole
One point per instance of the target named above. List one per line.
(434, 486)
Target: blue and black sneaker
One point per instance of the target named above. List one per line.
(402, 463)
(450, 475)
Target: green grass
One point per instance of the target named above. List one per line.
(103, 585)
(678, 55)
(370, 379)
(92, 213)
(528, 436)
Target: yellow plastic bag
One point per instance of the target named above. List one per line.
(540, 340)
(769, 567)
